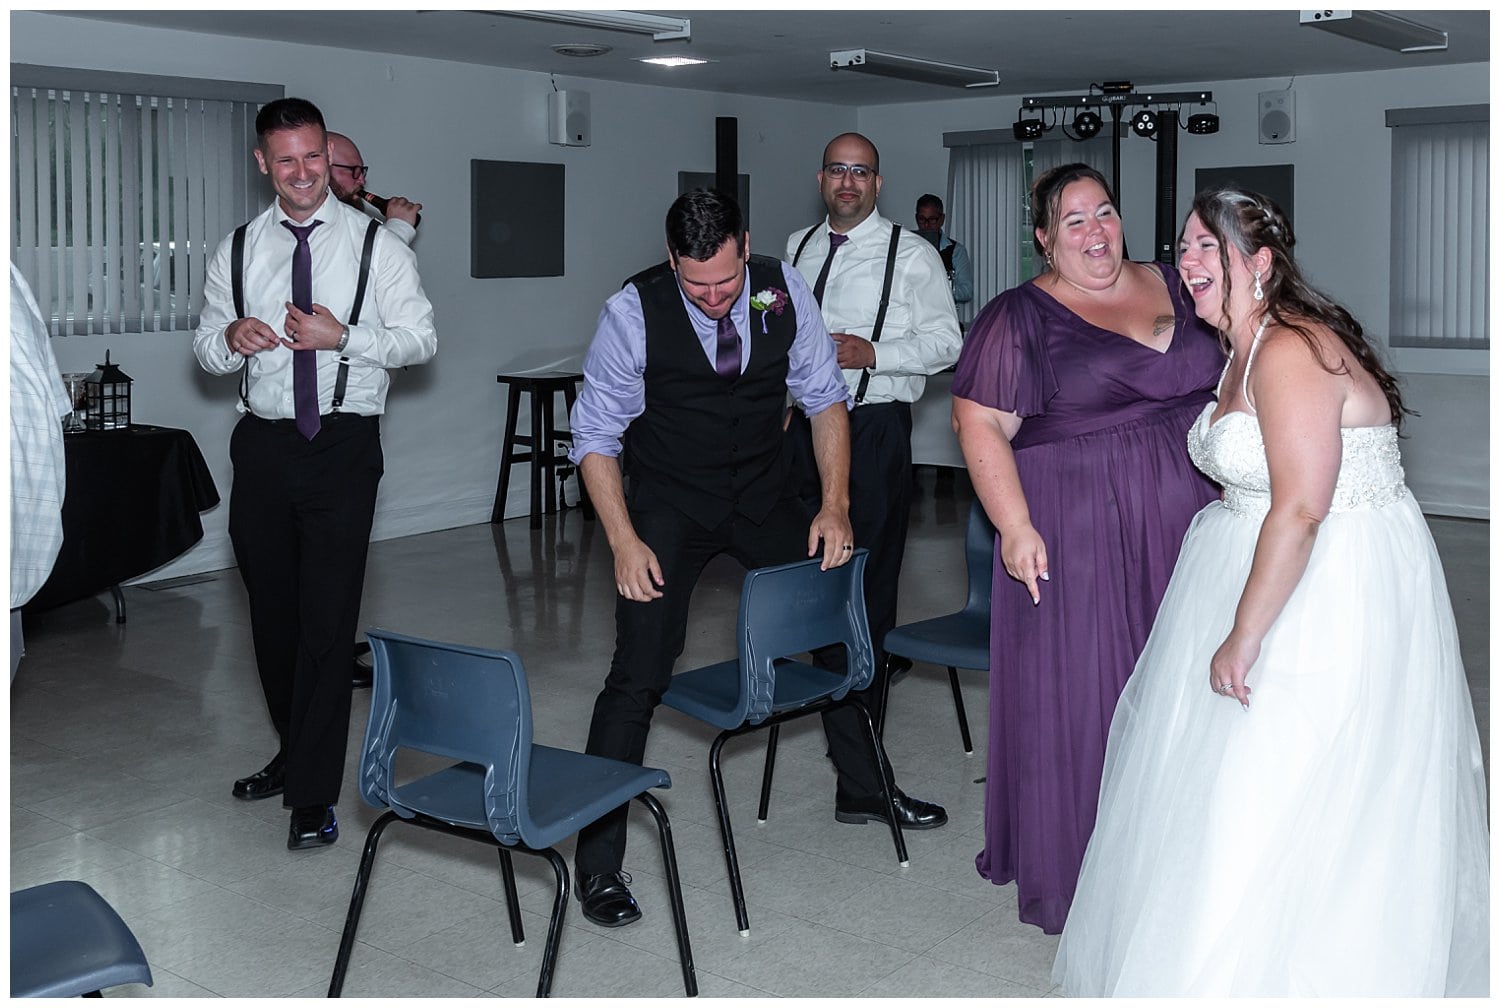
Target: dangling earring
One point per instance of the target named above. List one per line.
(1260, 292)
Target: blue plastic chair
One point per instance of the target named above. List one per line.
(66, 940)
(960, 640)
(473, 705)
(784, 611)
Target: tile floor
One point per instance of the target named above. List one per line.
(124, 741)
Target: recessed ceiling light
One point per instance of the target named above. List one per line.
(673, 61)
(581, 49)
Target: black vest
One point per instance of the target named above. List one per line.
(705, 444)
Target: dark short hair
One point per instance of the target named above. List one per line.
(286, 114)
(700, 221)
(1046, 195)
(929, 200)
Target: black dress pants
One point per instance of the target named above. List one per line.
(300, 514)
(880, 511)
(649, 638)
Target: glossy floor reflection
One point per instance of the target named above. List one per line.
(125, 739)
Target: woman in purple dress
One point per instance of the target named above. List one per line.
(1072, 401)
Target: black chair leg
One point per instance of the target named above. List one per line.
(885, 695)
(726, 832)
(772, 737)
(512, 899)
(554, 929)
(674, 892)
(886, 790)
(958, 708)
(357, 903)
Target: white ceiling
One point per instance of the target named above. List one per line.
(784, 54)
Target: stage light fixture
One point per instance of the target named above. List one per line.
(1203, 123)
(1086, 125)
(1027, 129)
(1143, 123)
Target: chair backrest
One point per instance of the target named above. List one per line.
(462, 703)
(979, 549)
(796, 607)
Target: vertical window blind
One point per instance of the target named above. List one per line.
(120, 195)
(1440, 227)
(986, 208)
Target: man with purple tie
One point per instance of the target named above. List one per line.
(695, 357)
(311, 308)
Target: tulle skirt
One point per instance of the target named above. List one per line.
(1331, 840)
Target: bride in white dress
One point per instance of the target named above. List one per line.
(1293, 798)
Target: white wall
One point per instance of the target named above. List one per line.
(419, 122)
(1342, 209)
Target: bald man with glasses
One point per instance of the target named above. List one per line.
(346, 177)
(884, 296)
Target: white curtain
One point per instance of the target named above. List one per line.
(1439, 234)
(985, 208)
(119, 199)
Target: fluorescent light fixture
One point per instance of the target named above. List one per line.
(672, 61)
(1380, 29)
(659, 27)
(912, 68)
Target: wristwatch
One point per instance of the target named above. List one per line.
(343, 341)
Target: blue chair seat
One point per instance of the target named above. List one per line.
(785, 611)
(959, 640)
(66, 941)
(473, 706)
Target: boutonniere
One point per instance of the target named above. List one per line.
(772, 299)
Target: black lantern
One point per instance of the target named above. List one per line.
(109, 398)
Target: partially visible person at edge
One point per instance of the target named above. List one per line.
(347, 176)
(1072, 402)
(955, 256)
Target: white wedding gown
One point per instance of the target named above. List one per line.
(1332, 839)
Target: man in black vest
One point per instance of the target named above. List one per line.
(696, 357)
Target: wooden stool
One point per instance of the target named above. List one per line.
(540, 446)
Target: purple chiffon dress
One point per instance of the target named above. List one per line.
(1102, 456)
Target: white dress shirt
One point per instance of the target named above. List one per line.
(920, 335)
(395, 327)
(38, 471)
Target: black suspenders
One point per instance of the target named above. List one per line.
(237, 279)
(885, 297)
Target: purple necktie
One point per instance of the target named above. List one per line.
(834, 241)
(304, 362)
(727, 356)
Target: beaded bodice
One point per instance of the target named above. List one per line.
(1232, 453)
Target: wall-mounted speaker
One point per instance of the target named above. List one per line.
(568, 118)
(1277, 116)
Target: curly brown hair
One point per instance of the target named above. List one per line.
(1249, 222)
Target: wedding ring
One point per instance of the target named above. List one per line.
(1226, 688)
(848, 549)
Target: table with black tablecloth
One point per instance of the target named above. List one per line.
(132, 504)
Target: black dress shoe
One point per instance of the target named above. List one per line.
(313, 826)
(911, 813)
(364, 674)
(607, 901)
(264, 783)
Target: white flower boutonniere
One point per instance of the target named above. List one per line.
(772, 299)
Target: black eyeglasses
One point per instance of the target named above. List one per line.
(357, 170)
(836, 169)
